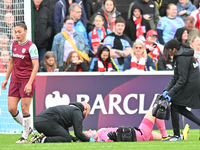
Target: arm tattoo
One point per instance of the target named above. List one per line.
(120, 53)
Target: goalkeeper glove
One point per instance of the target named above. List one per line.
(112, 136)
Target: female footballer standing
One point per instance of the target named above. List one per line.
(23, 66)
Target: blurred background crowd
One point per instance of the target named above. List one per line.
(103, 35)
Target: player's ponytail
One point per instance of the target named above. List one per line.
(22, 24)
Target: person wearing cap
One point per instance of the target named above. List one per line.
(136, 25)
(53, 123)
(183, 90)
(153, 49)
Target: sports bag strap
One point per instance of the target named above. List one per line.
(138, 130)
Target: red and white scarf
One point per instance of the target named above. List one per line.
(197, 25)
(139, 31)
(95, 40)
(112, 28)
(138, 66)
(102, 66)
(153, 54)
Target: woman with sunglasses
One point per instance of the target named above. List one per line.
(138, 60)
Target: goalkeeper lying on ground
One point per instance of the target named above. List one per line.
(145, 133)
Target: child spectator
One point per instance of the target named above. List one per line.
(97, 34)
(136, 25)
(103, 63)
(74, 63)
(49, 63)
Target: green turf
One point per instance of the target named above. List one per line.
(7, 141)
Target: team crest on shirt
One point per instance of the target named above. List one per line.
(15, 49)
(23, 50)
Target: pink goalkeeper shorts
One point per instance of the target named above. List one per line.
(146, 127)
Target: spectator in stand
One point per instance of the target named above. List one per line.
(50, 4)
(4, 61)
(182, 35)
(189, 24)
(75, 13)
(165, 62)
(42, 27)
(74, 63)
(48, 64)
(162, 6)
(13, 8)
(168, 25)
(92, 6)
(195, 44)
(138, 60)
(68, 40)
(103, 62)
(4, 43)
(153, 49)
(97, 35)
(149, 9)
(109, 12)
(118, 43)
(196, 15)
(185, 8)
(8, 24)
(62, 10)
(136, 25)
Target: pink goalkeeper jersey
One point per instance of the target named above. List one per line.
(22, 54)
(102, 135)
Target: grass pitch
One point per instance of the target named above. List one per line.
(7, 142)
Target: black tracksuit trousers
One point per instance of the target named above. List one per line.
(53, 131)
(175, 110)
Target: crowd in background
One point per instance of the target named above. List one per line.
(92, 35)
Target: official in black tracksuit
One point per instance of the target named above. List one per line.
(55, 121)
(184, 88)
